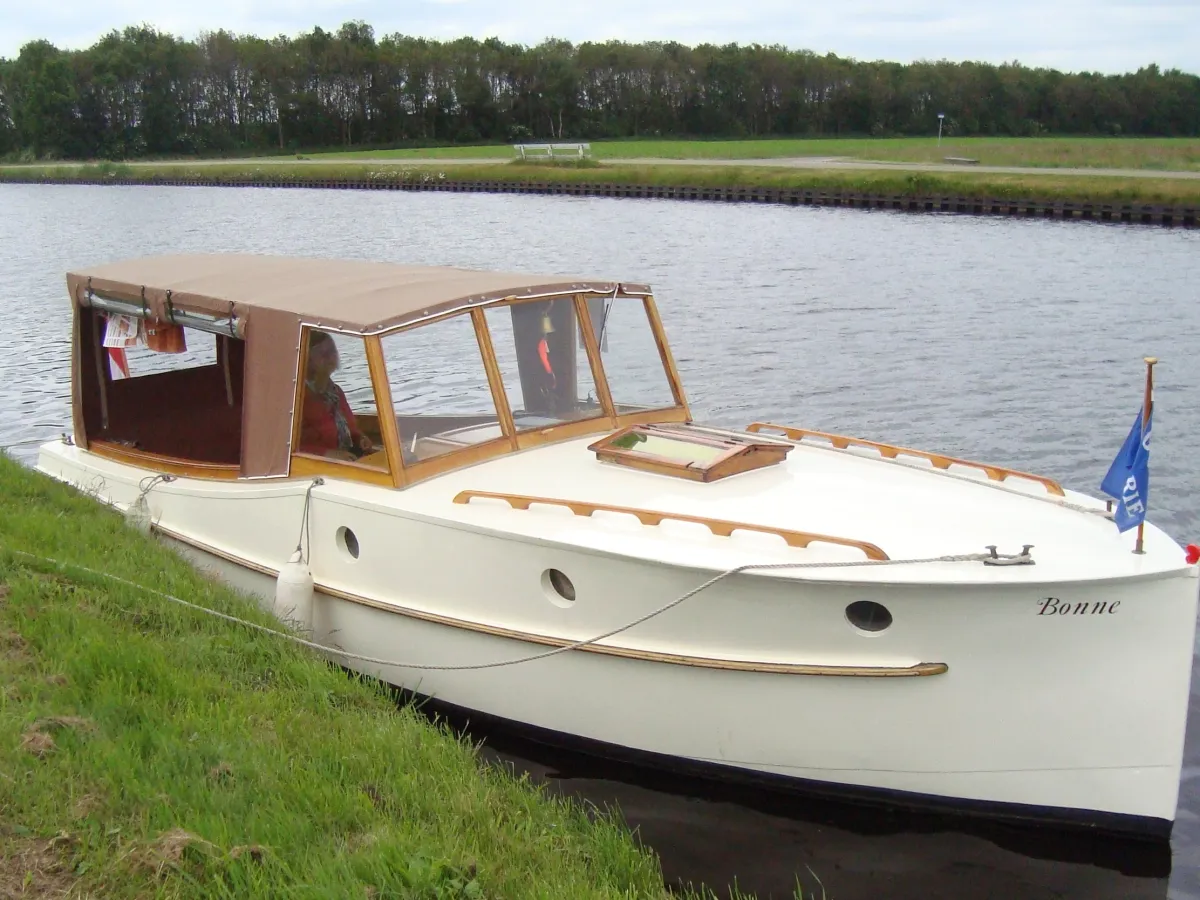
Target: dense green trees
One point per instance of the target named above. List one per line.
(140, 92)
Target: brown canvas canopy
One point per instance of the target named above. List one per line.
(271, 297)
(354, 295)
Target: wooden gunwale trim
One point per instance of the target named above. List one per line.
(664, 351)
(654, 416)
(563, 431)
(157, 462)
(495, 378)
(306, 464)
(891, 451)
(592, 346)
(388, 429)
(457, 459)
(719, 527)
(703, 662)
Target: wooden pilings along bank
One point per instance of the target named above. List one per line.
(1148, 214)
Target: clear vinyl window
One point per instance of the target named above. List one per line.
(338, 415)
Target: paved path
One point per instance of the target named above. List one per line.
(796, 162)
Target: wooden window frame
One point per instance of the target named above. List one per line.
(402, 474)
(304, 465)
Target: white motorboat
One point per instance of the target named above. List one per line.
(496, 486)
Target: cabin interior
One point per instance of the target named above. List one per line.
(189, 408)
(453, 390)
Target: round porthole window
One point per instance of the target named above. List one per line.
(558, 588)
(348, 541)
(867, 615)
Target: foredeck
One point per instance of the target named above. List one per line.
(907, 511)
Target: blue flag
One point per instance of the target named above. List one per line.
(1128, 479)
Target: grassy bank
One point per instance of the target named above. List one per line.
(1180, 154)
(146, 750)
(1048, 187)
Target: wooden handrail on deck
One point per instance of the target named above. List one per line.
(719, 527)
(890, 451)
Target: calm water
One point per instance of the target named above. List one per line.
(1016, 342)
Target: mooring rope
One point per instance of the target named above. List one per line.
(576, 645)
(305, 526)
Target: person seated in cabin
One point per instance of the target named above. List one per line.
(327, 425)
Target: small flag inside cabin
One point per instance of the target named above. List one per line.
(118, 362)
(120, 331)
(1128, 478)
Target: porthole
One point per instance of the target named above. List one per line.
(867, 615)
(558, 588)
(348, 542)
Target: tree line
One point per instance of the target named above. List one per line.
(140, 92)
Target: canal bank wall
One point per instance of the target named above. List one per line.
(1132, 213)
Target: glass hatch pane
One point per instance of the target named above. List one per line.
(678, 449)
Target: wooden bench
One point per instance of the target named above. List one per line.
(550, 151)
(962, 160)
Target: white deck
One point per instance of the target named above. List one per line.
(909, 512)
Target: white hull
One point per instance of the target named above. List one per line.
(1079, 716)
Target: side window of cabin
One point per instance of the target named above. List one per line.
(440, 388)
(633, 365)
(162, 389)
(338, 416)
(543, 363)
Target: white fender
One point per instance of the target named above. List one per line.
(137, 514)
(294, 594)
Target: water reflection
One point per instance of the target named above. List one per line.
(773, 845)
(1014, 341)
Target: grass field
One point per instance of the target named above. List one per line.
(149, 751)
(1181, 154)
(1050, 186)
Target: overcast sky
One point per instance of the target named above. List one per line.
(1072, 35)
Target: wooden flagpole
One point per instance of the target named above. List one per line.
(1147, 403)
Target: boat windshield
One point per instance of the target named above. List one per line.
(439, 388)
(633, 365)
(444, 402)
(543, 363)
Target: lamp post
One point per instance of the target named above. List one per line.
(941, 116)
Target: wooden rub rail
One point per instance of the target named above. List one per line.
(1134, 213)
(915, 670)
(890, 451)
(719, 527)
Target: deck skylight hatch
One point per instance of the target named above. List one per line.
(686, 452)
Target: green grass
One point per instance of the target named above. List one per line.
(1047, 187)
(149, 751)
(1181, 154)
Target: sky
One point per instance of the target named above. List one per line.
(1070, 35)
